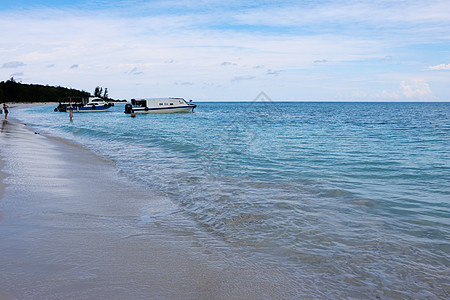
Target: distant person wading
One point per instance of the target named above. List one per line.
(71, 113)
(5, 108)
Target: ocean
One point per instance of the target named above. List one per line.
(351, 199)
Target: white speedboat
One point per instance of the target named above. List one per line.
(79, 104)
(159, 106)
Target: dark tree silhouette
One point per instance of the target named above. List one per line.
(12, 91)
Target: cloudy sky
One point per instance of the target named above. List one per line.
(396, 50)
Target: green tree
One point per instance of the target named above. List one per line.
(98, 92)
(12, 91)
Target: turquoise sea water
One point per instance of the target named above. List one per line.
(351, 198)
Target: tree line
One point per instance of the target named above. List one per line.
(12, 91)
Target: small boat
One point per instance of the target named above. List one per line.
(159, 106)
(94, 105)
(80, 104)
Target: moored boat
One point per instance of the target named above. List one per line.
(80, 104)
(159, 106)
(94, 105)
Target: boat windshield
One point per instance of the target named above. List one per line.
(139, 103)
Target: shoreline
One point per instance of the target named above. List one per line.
(62, 237)
(2, 185)
(3, 174)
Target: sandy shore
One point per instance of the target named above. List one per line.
(72, 228)
(2, 177)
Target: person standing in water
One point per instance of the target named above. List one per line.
(5, 108)
(70, 113)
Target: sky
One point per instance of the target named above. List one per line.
(215, 50)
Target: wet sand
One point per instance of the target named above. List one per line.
(71, 227)
(2, 185)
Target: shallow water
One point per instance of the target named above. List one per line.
(68, 235)
(352, 199)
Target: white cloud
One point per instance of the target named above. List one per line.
(241, 78)
(382, 14)
(273, 72)
(13, 64)
(387, 95)
(183, 83)
(135, 71)
(227, 63)
(439, 67)
(415, 89)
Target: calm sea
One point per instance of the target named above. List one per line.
(351, 198)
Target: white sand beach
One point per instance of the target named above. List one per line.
(72, 228)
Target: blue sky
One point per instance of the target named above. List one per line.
(214, 50)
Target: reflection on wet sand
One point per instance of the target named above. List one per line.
(4, 125)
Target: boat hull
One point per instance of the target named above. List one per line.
(163, 110)
(90, 109)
